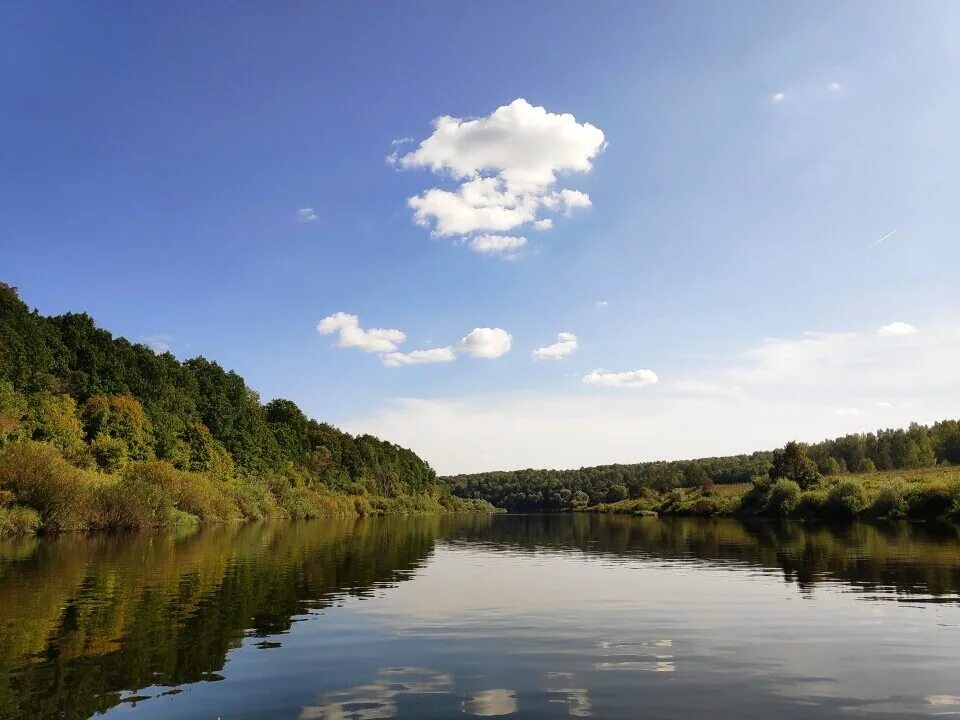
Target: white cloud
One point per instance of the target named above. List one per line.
(629, 379)
(778, 98)
(158, 343)
(574, 199)
(503, 245)
(506, 164)
(306, 215)
(602, 304)
(485, 342)
(420, 357)
(566, 344)
(834, 87)
(897, 329)
(785, 389)
(351, 335)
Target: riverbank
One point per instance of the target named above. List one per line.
(40, 492)
(919, 494)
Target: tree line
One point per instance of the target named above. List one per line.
(550, 490)
(109, 406)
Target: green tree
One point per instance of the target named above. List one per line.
(793, 463)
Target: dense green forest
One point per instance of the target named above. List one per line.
(96, 431)
(741, 484)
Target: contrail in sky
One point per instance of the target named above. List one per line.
(888, 235)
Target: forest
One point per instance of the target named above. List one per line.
(891, 472)
(98, 432)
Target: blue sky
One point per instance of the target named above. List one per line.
(753, 154)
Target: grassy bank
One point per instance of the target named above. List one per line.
(40, 491)
(919, 494)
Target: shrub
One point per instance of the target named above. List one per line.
(41, 479)
(132, 502)
(933, 499)
(208, 499)
(783, 498)
(891, 501)
(846, 499)
(18, 520)
(109, 452)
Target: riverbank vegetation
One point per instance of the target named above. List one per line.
(894, 473)
(97, 432)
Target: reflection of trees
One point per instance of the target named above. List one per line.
(83, 619)
(906, 558)
(92, 617)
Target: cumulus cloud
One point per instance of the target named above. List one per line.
(479, 342)
(628, 379)
(306, 215)
(566, 343)
(503, 245)
(897, 329)
(351, 335)
(506, 165)
(485, 342)
(420, 357)
(778, 98)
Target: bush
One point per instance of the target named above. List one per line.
(109, 452)
(846, 499)
(41, 479)
(783, 498)
(18, 520)
(208, 499)
(934, 499)
(891, 501)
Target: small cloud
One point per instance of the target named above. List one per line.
(897, 329)
(544, 224)
(778, 98)
(566, 344)
(834, 87)
(602, 304)
(351, 335)
(574, 199)
(401, 141)
(307, 215)
(158, 343)
(502, 245)
(485, 342)
(884, 404)
(420, 357)
(849, 411)
(629, 379)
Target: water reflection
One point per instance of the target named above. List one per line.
(378, 700)
(87, 624)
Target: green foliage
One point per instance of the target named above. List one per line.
(793, 463)
(41, 479)
(19, 520)
(204, 421)
(846, 499)
(783, 498)
(56, 420)
(13, 414)
(891, 502)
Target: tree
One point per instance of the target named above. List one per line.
(617, 492)
(57, 421)
(793, 463)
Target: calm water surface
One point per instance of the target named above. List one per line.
(524, 616)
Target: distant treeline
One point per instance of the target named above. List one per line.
(82, 412)
(531, 490)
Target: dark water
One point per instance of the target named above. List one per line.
(530, 616)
